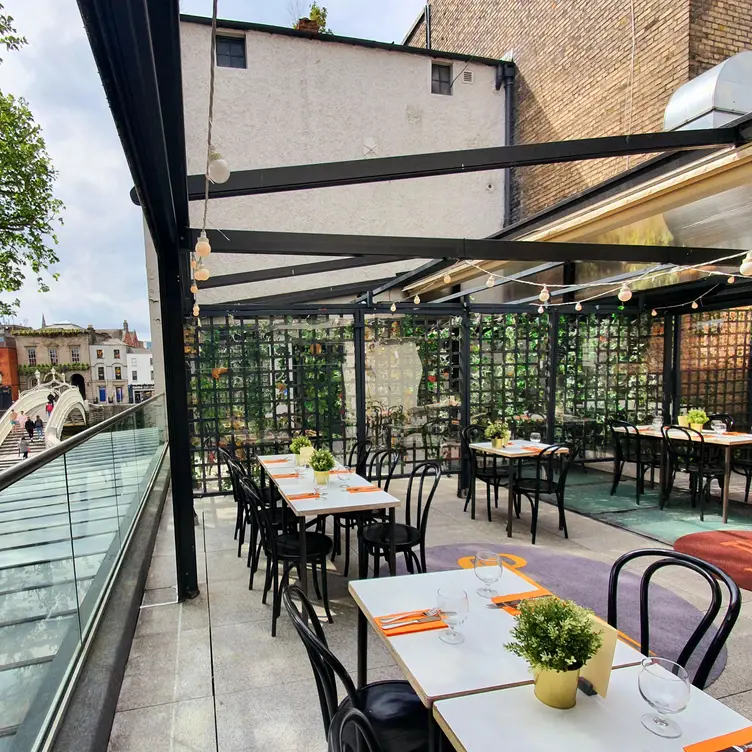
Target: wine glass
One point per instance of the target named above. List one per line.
(535, 437)
(665, 686)
(344, 475)
(453, 608)
(488, 571)
(657, 423)
(719, 427)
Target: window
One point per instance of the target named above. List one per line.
(134, 361)
(100, 373)
(441, 78)
(118, 372)
(152, 376)
(32, 353)
(134, 376)
(116, 354)
(100, 354)
(75, 354)
(231, 52)
(151, 361)
(53, 356)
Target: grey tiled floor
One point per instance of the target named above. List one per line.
(207, 676)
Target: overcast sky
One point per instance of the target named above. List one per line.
(102, 275)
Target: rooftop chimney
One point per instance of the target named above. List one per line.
(305, 24)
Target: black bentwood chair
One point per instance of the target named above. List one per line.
(713, 575)
(551, 469)
(282, 547)
(486, 468)
(425, 476)
(396, 714)
(688, 453)
(351, 731)
(631, 446)
(234, 470)
(381, 467)
(357, 459)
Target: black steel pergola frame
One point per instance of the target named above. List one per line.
(136, 46)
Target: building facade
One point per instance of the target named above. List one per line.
(109, 371)
(140, 375)
(9, 386)
(587, 68)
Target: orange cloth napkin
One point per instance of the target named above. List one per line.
(341, 471)
(736, 433)
(362, 489)
(532, 448)
(301, 496)
(720, 743)
(501, 600)
(425, 627)
(276, 462)
(284, 475)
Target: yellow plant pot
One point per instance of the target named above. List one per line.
(683, 421)
(697, 426)
(322, 477)
(498, 443)
(557, 689)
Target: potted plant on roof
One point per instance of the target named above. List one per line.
(557, 638)
(322, 461)
(697, 418)
(297, 444)
(498, 432)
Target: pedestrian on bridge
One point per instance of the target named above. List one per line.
(23, 447)
(39, 425)
(13, 420)
(29, 426)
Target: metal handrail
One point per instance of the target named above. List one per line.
(17, 472)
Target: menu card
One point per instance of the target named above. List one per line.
(598, 669)
(738, 740)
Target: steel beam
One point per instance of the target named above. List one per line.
(306, 296)
(354, 172)
(405, 279)
(299, 270)
(487, 249)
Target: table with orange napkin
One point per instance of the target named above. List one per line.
(279, 476)
(408, 628)
(301, 496)
(362, 489)
(725, 743)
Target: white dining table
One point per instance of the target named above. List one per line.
(435, 669)
(332, 499)
(477, 722)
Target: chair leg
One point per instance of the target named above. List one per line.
(267, 580)
(276, 598)
(423, 566)
(348, 527)
(376, 563)
(325, 590)
(315, 579)
(746, 489)
(496, 495)
(562, 515)
(409, 562)
(617, 476)
(336, 537)
(534, 525)
(241, 537)
(488, 500)
(470, 485)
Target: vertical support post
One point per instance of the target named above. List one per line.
(668, 370)
(359, 329)
(676, 381)
(463, 477)
(553, 356)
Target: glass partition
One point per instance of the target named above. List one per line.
(63, 529)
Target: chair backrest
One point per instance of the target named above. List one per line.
(712, 574)
(725, 418)
(686, 447)
(381, 467)
(552, 467)
(424, 480)
(351, 731)
(261, 515)
(626, 440)
(326, 666)
(358, 456)
(483, 462)
(471, 435)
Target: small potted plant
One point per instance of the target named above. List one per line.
(557, 638)
(322, 461)
(297, 444)
(697, 418)
(498, 432)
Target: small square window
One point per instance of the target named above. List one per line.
(118, 373)
(32, 353)
(100, 373)
(134, 376)
(53, 356)
(116, 354)
(231, 52)
(441, 78)
(100, 354)
(75, 355)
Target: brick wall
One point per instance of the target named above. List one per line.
(588, 68)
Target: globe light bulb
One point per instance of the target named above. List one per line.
(578, 307)
(625, 293)
(447, 279)
(540, 309)
(544, 295)
(695, 305)
(490, 282)
(201, 273)
(393, 307)
(219, 171)
(416, 299)
(653, 312)
(746, 268)
(196, 310)
(731, 279)
(194, 288)
(194, 263)
(202, 248)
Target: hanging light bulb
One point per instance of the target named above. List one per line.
(695, 305)
(201, 273)
(393, 307)
(490, 281)
(653, 312)
(625, 293)
(194, 263)
(196, 310)
(746, 268)
(202, 248)
(416, 299)
(544, 295)
(194, 288)
(731, 279)
(447, 279)
(578, 306)
(219, 171)
(541, 309)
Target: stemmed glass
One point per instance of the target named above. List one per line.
(719, 427)
(453, 608)
(488, 571)
(665, 686)
(535, 437)
(344, 475)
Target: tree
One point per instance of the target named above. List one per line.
(316, 13)
(28, 207)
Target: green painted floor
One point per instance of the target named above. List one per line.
(589, 494)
